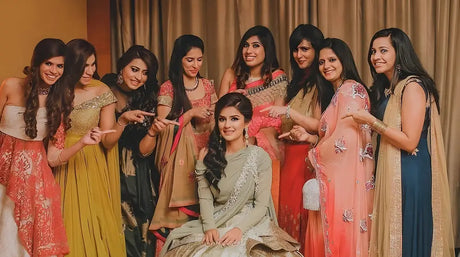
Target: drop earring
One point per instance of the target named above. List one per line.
(398, 69)
(246, 136)
(119, 79)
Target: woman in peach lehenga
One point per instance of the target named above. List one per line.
(343, 158)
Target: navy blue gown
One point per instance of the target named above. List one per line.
(417, 217)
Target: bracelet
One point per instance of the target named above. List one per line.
(288, 108)
(379, 126)
(120, 124)
(199, 172)
(316, 143)
(150, 135)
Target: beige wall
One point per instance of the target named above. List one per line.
(25, 22)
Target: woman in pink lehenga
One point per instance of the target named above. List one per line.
(255, 72)
(343, 158)
(31, 109)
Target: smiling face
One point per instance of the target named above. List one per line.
(51, 70)
(192, 61)
(134, 74)
(304, 54)
(330, 66)
(231, 124)
(383, 56)
(253, 52)
(90, 68)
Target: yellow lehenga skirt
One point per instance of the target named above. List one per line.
(89, 191)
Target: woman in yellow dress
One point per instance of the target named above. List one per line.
(90, 182)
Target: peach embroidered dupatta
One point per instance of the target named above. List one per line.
(343, 160)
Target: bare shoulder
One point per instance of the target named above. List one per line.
(414, 89)
(12, 86)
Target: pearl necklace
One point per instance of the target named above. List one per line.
(194, 86)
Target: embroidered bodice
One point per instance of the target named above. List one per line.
(86, 115)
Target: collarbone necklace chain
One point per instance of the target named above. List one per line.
(194, 86)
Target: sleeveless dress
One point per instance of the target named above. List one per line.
(303, 225)
(411, 207)
(30, 209)
(90, 188)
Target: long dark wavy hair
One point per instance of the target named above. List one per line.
(407, 62)
(144, 98)
(182, 46)
(43, 51)
(77, 53)
(306, 79)
(343, 52)
(270, 62)
(215, 159)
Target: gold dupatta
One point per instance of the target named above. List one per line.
(175, 159)
(386, 236)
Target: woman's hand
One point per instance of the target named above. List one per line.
(94, 136)
(202, 112)
(160, 124)
(211, 237)
(202, 153)
(241, 91)
(275, 111)
(135, 116)
(298, 133)
(232, 237)
(361, 117)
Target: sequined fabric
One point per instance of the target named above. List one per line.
(262, 96)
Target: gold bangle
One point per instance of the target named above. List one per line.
(379, 126)
(316, 143)
(120, 124)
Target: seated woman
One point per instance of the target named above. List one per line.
(234, 178)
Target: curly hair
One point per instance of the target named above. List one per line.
(143, 98)
(43, 51)
(215, 158)
(270, 63)
(60, 100)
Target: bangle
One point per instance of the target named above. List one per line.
(379, 126)
(199, 172)
(121, 124)
(317, 139)
(288, 108)
(151, 135)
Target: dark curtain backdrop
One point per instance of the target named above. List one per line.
(433, 26)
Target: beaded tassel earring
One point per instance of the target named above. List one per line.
(246, 136)
(119, 79)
